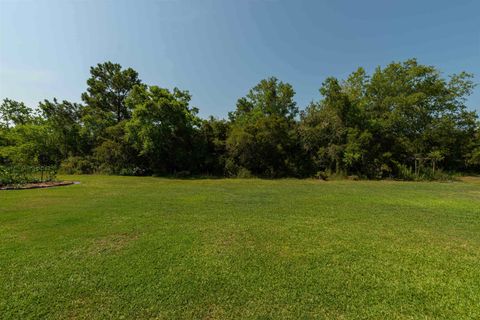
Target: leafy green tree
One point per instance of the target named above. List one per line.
(262, 138)
(413, 111)
(331, 130)
(64, 121)
(322, 135)
(30, 144)
(400, 115)
(115, 155)
(104, 116)
(473, 154)
(435, 157)
(108, 87)
(162, 128)
(210, 146)
(24, 136)
(395, 122)
(14, 113)
(269, 97)
(262, 145)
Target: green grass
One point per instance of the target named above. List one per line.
(134, 248)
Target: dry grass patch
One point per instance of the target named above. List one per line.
(112, 243)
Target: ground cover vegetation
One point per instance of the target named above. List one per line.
(404, 120)
(17, 175)
(116, 247)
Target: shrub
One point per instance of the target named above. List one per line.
(438, 175)
(19, 175)
(135, 171)
(405, 172)
(231, 169)
(424, 174)
(244, 173)
(322, 175)
(78, 165)
(182, 174)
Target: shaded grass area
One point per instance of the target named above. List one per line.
(134, 247)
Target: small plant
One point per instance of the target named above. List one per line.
(321, 175)
(244, 173)
(21, 174)
(135, 171)
(405, 173)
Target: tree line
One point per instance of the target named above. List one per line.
(403, 121)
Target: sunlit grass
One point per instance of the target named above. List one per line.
(135, 247)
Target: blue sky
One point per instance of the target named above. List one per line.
(218, 49)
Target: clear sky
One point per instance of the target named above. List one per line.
(218, 49)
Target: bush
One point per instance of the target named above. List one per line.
(182, 174)
(244, 173)
(405, 173)
(78, 165)
(231, 169)
(136, 171)
(334, 175)
(322, 175)
(439, 175)
(19, 175)
(424, 174)
(445, 176)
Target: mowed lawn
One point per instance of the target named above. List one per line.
(153, 248)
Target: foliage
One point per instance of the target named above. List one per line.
(162, 127)
(31, 144)
(108, 88)
(210, 146)
(403, 121)
(19, 175)
(14, 113)
(64, 121)
(105, 102)
(262, 136)
(404, 114)
(78, 165)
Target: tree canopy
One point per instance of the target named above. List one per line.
(404, 120)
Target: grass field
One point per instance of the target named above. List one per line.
(143, 248)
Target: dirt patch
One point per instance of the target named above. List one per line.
(39, 185)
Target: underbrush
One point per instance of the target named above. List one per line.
(424, 174)
(22, 174)
(88, 165)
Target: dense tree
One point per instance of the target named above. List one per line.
(31, 144)
(473, 154)
(24, 137)
(115, 154)
(405, 120)
(210, 146)
(269, 97)
(108, 87)
(414, 111)
(332, 130)
(64, 120)
(405, 114)
(262, 136)
(14, 113)
(105, 104)
(162, 127)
